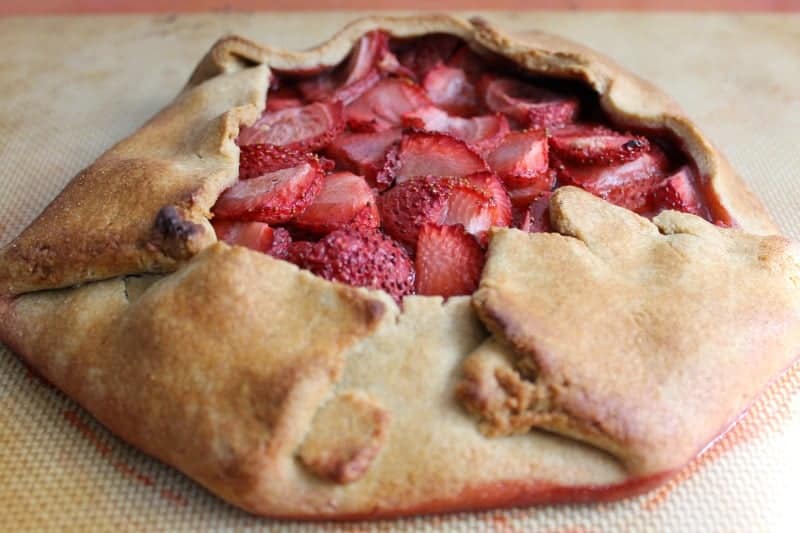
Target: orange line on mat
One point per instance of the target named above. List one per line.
(769, 413)
(74, 418)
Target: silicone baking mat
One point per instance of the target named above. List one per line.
(72, 86)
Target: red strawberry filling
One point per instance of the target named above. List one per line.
(428, 144)
(384, 105)
(521, 158)
(596, 145)
(361, 257)
(451, 90)
(365, 153)
(343, 197)
(308, 127)
(528, 104)
(449, 261)
(481, 133)
(430, 153)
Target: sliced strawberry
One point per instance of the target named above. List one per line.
(467, 60)
(318, 87)
(523, 196)
(679, 193)
(625, 184)
(521, 218)
(273, 197)
(382, 106)
(449, 89)
(481, 133)
(365, 55)
(367, 217)
(309, 127)
(471, 207)
(520, 158)
(354, 77)
(449, 261)
(405, 207)
(528, 104)
(431, 154)
(360, 257)
(364, 153)
(586, 144)
(343, 196)
(285, 96)
(369, 60)
(254, 235)
(427, 52)
(281, 241)
(258, 159)
(539, 214)
(500, 207)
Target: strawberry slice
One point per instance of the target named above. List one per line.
(366, 65)
(428, 52)
(449, 261)
(500, 204)
(468, 61)
(360, 257)
(539, 214)
(281, 241)
(431, 154)
(365, 55)
(524, 195)
(254, 235)
(309, 127)
(481, 133)
(471, 208)
(382, 106)
(679, 193)
(364, 153)
(258, 159)
(367, 217)
(343, 196)
(521, 218)
(273, 197)
(521, 158)
(449, 89)
(528, 104)
(318, 87)
(405, 207)
(282, 98)
(625, 184)
(587, 144)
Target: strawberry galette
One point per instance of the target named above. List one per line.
(425, 266)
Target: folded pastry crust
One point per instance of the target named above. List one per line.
(292, 396)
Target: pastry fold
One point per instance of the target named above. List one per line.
(646, 339)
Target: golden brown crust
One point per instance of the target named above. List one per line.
(636, 335)
(215, 369)
(345, 436)
(144, 205)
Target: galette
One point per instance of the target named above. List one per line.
(425, 266)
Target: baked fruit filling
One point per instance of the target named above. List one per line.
(388, 170)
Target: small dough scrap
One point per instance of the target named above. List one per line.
(346, 436)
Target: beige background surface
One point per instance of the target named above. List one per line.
(71, 86)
